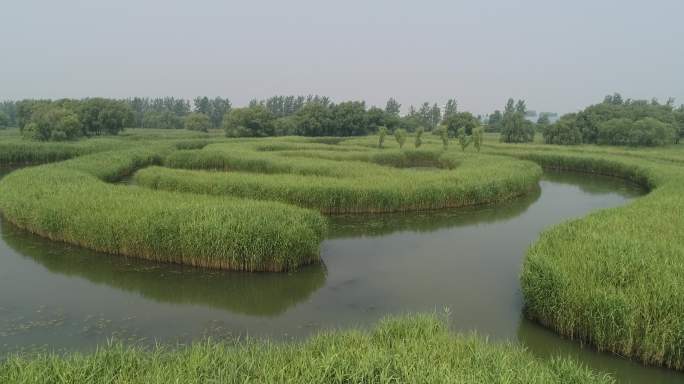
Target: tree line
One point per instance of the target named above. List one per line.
(616, 121)
(311, 115)
(68, 119)
(319, 116)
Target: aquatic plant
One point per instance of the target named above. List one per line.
(342, 181)
(413, 349)
(71, 201)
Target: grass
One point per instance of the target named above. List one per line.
(343, 179)
(71, 201)
(613, 278)
(415, 349)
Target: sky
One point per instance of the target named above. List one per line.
(557, 55)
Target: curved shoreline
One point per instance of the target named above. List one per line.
(610, 278)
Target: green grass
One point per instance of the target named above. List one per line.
(614, 278)
(71, 201)
(343, 179)
(416, 349)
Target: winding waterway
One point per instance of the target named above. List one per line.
(462, 262)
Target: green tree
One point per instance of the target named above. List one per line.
(314, 119)
(4, 120)
(424, 114)
(459, 120)
(542, 122)
(171, 120)
(202, 105)
(382, 132)
(100, 116)
(643, 132)
(9, 108)
(25, 109)
(419, 140)
(350, 119)
(393, 107)
(50, 122)
(377, 117)
(679, 123)
(285, 126)
(400, 136)
(463, 139)
(450, 108)
(563, 132)
(197, 121)
(514, 127)
(218, 108)
(478, 137)
(521, 107)
(435, 116)
(443, 133)
(494, 121)
(255, 121)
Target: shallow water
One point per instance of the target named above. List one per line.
(61, 297)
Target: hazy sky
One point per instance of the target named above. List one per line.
(558, 55)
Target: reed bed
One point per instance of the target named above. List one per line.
(71, 202)
(614, 278)
(415, 349)
(343, 181)
(15, 151)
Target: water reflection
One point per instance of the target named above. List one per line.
(265, 294)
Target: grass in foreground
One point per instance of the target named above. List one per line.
(416, 349)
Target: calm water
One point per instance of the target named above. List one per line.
(60, 297)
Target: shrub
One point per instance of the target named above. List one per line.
(643, 132)
(400, 136)
(516, 129)
(100, 116)
(564, 132)
(463, 139)
(478, 137)
(255, 121)
(285, 126)
(443, 133)
(197, 122)
(52, 123)
(459, 120)
(419, 134)
(163, 120)
(382, 132)
(4, 120)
